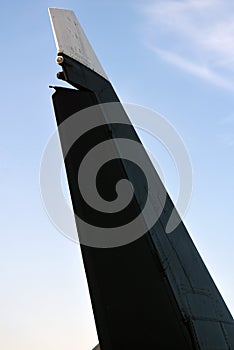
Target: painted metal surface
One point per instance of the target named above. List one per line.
(71, 40)
(170, 267)
(97, 348)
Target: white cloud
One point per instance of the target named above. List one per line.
(195, 35)
(194, 68)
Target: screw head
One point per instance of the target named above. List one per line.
(59, 59)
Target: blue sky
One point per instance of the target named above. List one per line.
(176, 57)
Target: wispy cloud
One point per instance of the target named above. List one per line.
(195, 35)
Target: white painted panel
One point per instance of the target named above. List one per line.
(71, 40)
